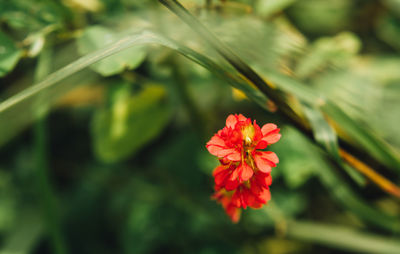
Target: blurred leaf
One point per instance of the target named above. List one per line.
(292, 86)
(268, 7)
(268, 48)
(130, 123)
(319, 16)
(97, 37)
(323, 132)
(326, 136)
(291, 203)
(341, 237)
(9, 54)
(206, 162)
(380, 68)
(32, 15)
(340, 190)
(370, 142)
(295, 149)
(364, 137)
(392, 5)
(22, 107)
(328, 51)
(25, 234)
(372, 96)
(8, 201)
(388, 30)
(355, 94)
(88, 5)
(139, 226)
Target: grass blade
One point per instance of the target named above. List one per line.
(341, 237)
(22, 108)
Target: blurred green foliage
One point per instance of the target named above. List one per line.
(112, 158)
(9, 54)
(98, 37)
(130, 122)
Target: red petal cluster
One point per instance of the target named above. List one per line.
(243, 177)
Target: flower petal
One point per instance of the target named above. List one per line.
(231, 184)
(255, 188)
(263, 179)
(245, 172)
(244, 196)
(270, 133)
(241, 118)
(267, 128)
(272, 138)
(219, 151)
(236, 199)
(233, 213)
(221, 177)
(235, 156)
(271, 156)
(216, 141)
(261, 145)
(231, 121)
(218, 170)
(234, 175)
(262, 164)
(264, 196)
(253, 201)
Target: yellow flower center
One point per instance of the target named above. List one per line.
(248, 134)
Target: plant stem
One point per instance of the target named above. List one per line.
(374, 176)
(45, 191)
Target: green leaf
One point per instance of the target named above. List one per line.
(269, 7)
(300, 159)
(9, 54)
(130, 123)
(97, 37)
(388, 29)
(341, 237)
(293, 150)
(336, 51)
(290, 85)
(25, 234)
(325, 135)
(370, 142)
(365, 138)
(318, 16)
(21, 109)
(323, 132)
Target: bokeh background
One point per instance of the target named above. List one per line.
(109, 156)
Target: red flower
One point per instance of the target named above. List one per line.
(254, 194)
(238, 144)
(243, 178)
